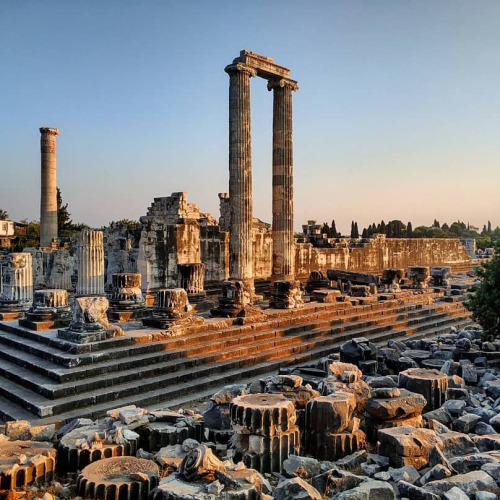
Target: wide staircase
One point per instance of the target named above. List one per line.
(45, 379)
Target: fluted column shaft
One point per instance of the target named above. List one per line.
(90, 259)
(283, 265)
(18, 278)
(240, 175)
(48, 199)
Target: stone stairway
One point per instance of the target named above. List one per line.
(45, 379)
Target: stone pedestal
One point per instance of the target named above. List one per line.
(90, 261)
(16, 295)
(233, 300)
(127, 301)
(316, 280)
(390, 280)
(432, 384)
(266, 431)
(287, 294)
(48, 199)
(440, 275)
(191, 277)
(240, 176)
(282, 227)
(90, 322)
(50, 309)
(172, 308)
(419, 277)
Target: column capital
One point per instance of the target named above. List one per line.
(50, 131)
(282, 82)
(233, 68)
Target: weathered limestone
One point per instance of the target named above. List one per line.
(391, 278)
(90, 258)
(282, 227)
(48, 201)
(419, 276)
(191, 277)
(17, 285)
(265, 429)
(199, 462)
(287, 294)
(440, 275)
(172, 310)
(24, 463)
(331, 431)
(317, 279)
(432, 384)
(50, 309)
(127, 301)
(240, 175)
(59, 270)
(90, 322)
(407, 445)
(235, 297)
(128, 478)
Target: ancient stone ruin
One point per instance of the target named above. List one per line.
(195, 357)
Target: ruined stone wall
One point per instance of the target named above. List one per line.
(214, 250)
(381, 253)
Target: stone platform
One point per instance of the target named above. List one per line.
(46, 379)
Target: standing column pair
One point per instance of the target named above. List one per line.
(240, 177)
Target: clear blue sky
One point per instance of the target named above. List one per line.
(397, 115)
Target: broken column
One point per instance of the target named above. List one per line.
(265, 429)
(90, 259)
(240, 175)
(432, 384)
(283, 267)
(16, 294)
(127, 301)
(441, 275)
(50, 309)
(419, 276)
(191, 277)
(287, 294)
(48, 201)
(390, 279)
(331, 431)
(171, 309)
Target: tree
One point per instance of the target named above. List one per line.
(356, 230)
(365, 233)
(352, 229)
(436, 223)
(489, 227)
(3, 215)
(333, 230)
(409, 230)
(484, 299)
(64, 222)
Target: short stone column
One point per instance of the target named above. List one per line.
(17, 285)
(287, 294)
(240, 175)
(265, 430)
(191, 277)
(391, 279)
(127, 301)
(331, 430)
(172, 309)
(419, 277)
(430, 383)
(50, 309)
(283, 267)
(48, 201)
(90, 259)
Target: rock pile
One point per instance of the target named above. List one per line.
(417, 420)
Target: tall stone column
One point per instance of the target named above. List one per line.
(48, 201)
(240, 175)
(283, 267)
(90, 260)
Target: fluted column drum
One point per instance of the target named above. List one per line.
(90, 258)
(17, 282)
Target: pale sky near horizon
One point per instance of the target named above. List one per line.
(396, 116)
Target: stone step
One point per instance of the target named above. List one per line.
(141, 356)
(141, 351)
(187, 392)
(204, 366)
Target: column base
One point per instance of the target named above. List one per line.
(287, 294)
(235, 296)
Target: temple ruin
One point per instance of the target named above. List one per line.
(344, 368)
